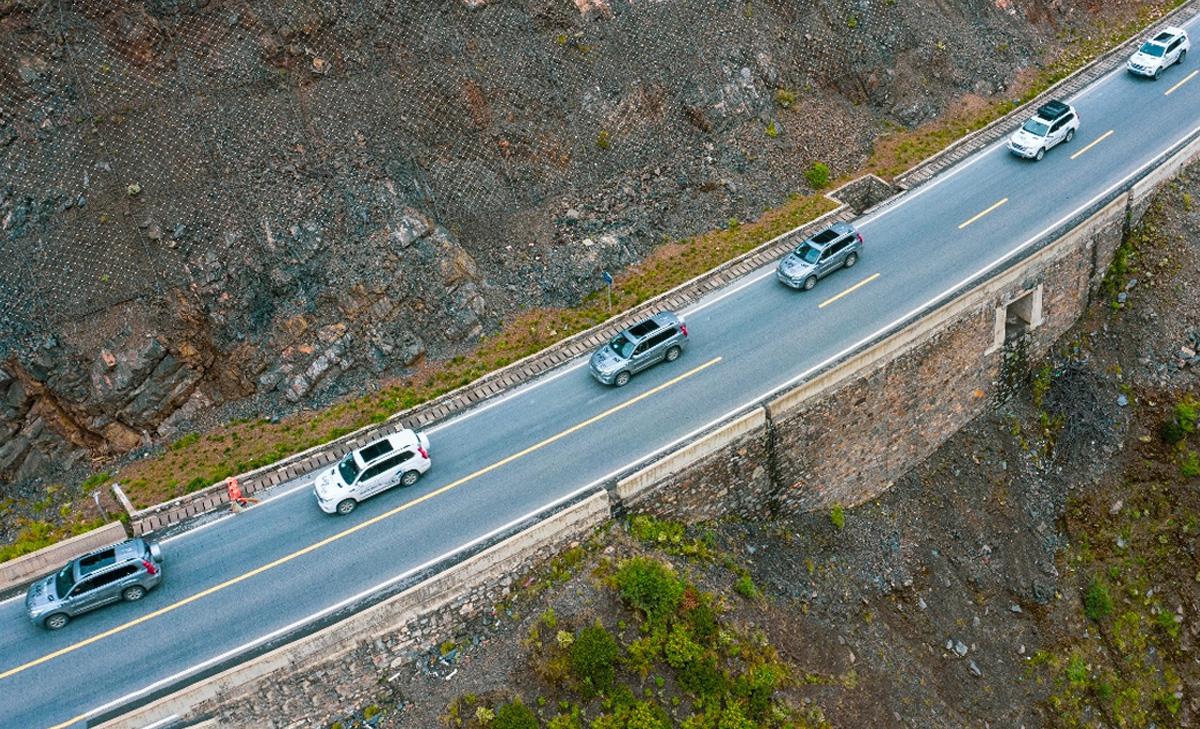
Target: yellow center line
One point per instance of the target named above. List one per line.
(1095, 141)
(358, 527)
(1186, 78)
(864, 282)
(980, 215)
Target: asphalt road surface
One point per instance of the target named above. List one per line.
(241, 578)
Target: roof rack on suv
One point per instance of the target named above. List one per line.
(1052, 110)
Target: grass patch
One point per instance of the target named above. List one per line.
(36, 534)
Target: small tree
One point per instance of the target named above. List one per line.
(593, 655)
(515, 716)
(817, 175)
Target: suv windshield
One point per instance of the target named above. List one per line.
(348, 468)
(1036, 126)
(807, 253)
(622, 345)
(63, 581)
(1153, 49)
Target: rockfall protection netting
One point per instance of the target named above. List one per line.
(142, 142)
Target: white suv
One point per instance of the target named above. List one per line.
(396, 459)
(1168, 46)
(1054, 122)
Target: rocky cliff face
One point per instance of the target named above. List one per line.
(208, 205)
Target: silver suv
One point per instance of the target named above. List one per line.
(837, 246)
(661, 337)
(125, 571)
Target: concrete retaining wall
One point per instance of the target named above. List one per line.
(19, 571)
(736, 479)
(247, 695)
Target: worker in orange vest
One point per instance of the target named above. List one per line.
(236, 499)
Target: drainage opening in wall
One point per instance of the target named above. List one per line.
(1017, 316)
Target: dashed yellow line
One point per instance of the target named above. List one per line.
(1185, 79)
(347, 532)
(864, 282)
(1095, 141)
(980, 215)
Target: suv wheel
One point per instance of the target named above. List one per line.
(133, 594)
(1041, 153)
(1157, 72)
(810, 282)
(1070, 135)
(1182, 55)
(851, 260)
(622, 379)
(346, 506)
(673, 354)
(57, 621)
(409, 478)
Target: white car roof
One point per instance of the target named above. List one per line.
(400, 439)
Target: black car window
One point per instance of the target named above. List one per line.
(375, 450)
(622, 345)
(121, 573)
(807, 253)
(641, 348)
(395, 460)
(348, 468)
(1174, 45)
(96, 561)
(87, 585)
(838, 247)
(825, 236)
(659, 338)
(374, 471)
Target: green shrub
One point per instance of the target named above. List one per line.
(593, 655)
(1172, 432)
(785, 98)
(1189, 465)
(703, 620)
(649, 586)
(837, 515)
(515, 716)
(772, 130)
(758, 687)
(680, 648)
(602, 139)
(745, 587)
(1186, 414)
(649, 529)
(1097, 603)
(817, 175)
(702, 677)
